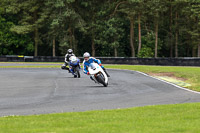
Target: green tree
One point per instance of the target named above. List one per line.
(111, 34)
(156, 9)
(63, 20)
(30, 19)
(128, 8)
(91, 15)
(195, 32)
(11, 43)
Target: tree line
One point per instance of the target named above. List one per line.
(128, 28)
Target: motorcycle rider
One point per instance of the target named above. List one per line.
(74, 61)
(67, 56)
(88, 60)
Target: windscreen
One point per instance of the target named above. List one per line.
(92, 66)
(73, 59)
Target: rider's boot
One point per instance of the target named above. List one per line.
(106, 72)
(68, 69)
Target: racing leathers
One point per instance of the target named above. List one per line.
(64, 66)
(91, 60)
(73, 64)
(67, 56)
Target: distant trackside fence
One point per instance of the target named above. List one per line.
(182, 61)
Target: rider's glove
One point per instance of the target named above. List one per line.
(100, 64)
(88, 73)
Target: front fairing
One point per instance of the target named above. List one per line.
(75, 62)
(94, 68)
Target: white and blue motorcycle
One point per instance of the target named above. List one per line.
(74, 66)
(98, 74)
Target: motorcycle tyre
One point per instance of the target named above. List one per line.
(101, 80)
(78, 72)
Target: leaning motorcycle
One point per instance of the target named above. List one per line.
(75, 68)
(98, 74)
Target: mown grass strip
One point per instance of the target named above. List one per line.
(184, 118)
(31, 63)
(32, 66)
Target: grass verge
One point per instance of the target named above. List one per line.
(33, 66)
(184, 118)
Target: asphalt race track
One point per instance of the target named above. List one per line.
(28, 91)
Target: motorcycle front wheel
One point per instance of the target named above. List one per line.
(100, 79)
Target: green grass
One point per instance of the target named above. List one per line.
(191, 74)
(31, 63)
(179, 118)
(32, 66)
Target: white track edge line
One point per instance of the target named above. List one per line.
(162, 81)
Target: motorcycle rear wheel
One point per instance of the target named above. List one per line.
(78, 72)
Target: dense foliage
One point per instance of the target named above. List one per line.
(129, 28)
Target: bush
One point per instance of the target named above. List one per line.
(146, 52)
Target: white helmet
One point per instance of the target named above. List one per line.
(73, 59)
(86, 55)
(69, 51)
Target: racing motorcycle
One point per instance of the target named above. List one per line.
(74, 66)
(98, 74)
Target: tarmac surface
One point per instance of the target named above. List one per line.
(28, 91)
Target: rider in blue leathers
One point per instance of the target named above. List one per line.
(88, 60)
(73, 62)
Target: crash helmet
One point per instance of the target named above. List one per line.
(86, 56)
(73, 59)
(69, 51)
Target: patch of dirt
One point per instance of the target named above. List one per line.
(168, 74)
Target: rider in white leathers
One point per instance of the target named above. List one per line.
(67, 56)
